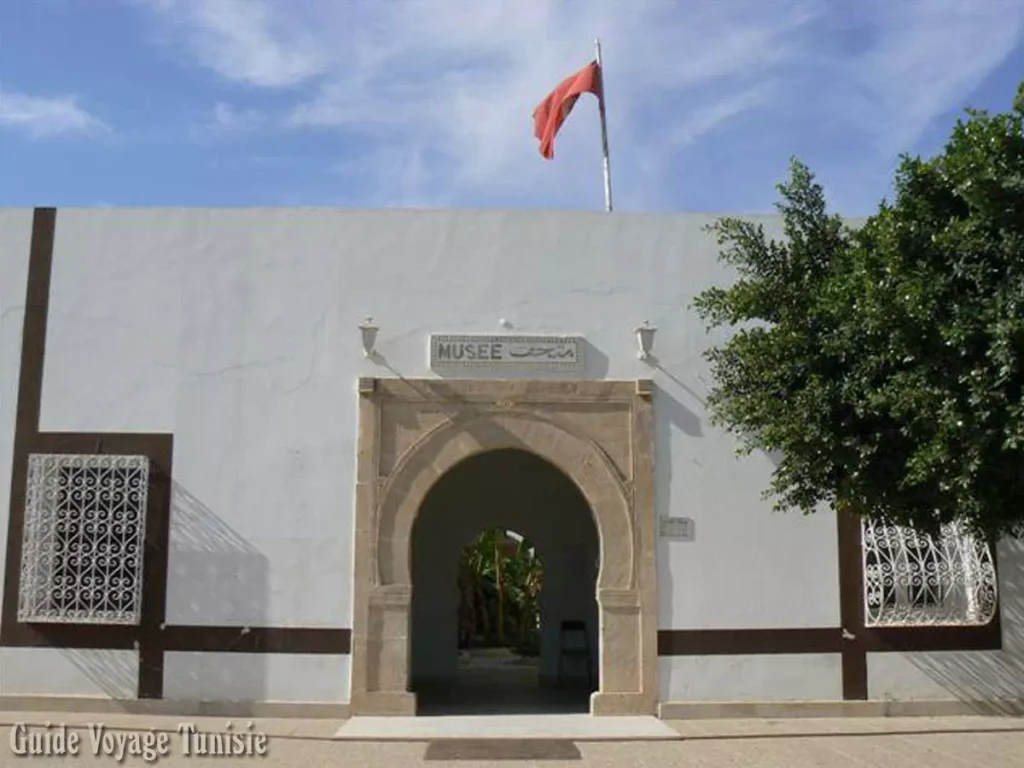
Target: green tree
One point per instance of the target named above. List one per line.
(525, 579)
(499, 582)
(885, 364)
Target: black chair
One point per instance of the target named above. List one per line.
(574, 645)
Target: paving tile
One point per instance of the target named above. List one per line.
(820, 743)
(484, 750)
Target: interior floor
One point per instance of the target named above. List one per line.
(501, 690)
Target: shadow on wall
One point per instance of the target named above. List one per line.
(992, 681)
(775, 457)
(670, 415)
(113, 672)
(655, 363)
(215, 577)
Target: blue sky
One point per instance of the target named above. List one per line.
(427, 103)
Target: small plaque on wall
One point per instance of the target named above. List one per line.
(559, 353)
(676, 528)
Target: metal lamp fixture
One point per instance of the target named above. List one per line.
(369, 331)
(645, 339)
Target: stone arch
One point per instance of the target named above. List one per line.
(579, 459)
(546, 508)
(411, 432)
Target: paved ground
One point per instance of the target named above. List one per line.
(802, 743)
(570, 727)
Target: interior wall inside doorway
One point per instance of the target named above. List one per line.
(518, 491)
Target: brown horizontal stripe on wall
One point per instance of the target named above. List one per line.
(907, 639)
(743, 642)
(136, 443)
(298, 640)
(724, 642)
(15, 635)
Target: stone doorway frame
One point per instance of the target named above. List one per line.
(412, 431)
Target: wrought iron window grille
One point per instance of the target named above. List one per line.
(84, 539)
(914, 579)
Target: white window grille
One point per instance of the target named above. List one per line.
(84, 538)
(912, 579)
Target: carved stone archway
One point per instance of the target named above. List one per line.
(599, 434)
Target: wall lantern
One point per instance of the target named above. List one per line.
(645, 339)
(369, 331)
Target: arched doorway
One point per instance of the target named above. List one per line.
(413, 431)
(508, 489)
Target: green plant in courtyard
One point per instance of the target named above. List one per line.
(499, 589)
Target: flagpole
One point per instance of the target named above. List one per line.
(604, 133)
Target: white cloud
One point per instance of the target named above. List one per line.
(705, 120)
(452, 84)
(250, 41)
(409, 182)
(42, 117)
(226, 120)
(928, 57)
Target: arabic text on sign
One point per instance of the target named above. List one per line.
(553, 352)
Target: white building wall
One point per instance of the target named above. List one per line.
(277, 677)
(94, 672)
(15, 236)
(753, 677)
(963, 675)
(235, 330)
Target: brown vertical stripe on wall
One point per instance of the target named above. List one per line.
(28, 439)
(30, 392)
(155, 577)
(851, 606)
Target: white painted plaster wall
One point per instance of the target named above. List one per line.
(963, 675)
(320, 678)
(235, 329)
(775, 677)
(96, 673)
(15, 235)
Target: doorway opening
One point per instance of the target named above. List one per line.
(505, 558)
(499, 579)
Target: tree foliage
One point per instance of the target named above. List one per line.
(499, 588)
(885, 364)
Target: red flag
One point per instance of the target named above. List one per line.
(551, 113)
